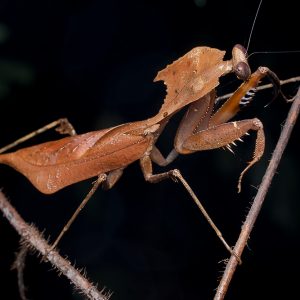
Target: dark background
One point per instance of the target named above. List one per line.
(94, 62)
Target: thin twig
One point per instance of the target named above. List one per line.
(262, 87)
(35, 241)
(19, 265)
(259, 199)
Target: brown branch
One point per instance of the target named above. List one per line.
(259, 199)
(34, 240)
(262, 87)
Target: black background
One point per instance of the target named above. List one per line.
(94, 62)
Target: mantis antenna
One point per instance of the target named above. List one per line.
(253, 24)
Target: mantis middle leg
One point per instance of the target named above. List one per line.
(146, 166)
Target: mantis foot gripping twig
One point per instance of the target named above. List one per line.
(175, 174)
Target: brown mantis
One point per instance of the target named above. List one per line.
(190, 80)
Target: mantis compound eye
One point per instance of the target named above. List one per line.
(240, 64)
(242, 71)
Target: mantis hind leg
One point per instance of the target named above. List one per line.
(101, 178)
(63, 127)
(112, 178)
(107, 181)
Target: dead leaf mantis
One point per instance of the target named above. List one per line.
(191, 81)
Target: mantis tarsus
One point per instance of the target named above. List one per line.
(191, 81)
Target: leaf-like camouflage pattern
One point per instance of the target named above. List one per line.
(54, 165)
(191, 77)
